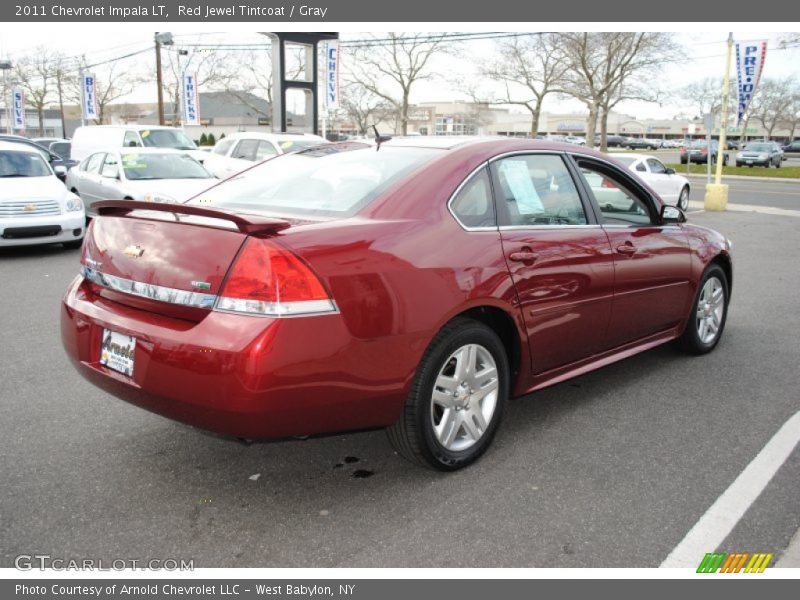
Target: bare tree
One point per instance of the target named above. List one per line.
(772, 102)
(601, 63)
(706, 96)
(792, 119)
(214, 73)
(363, 107)
(34, 73)
(253, 78)
(529, 68)
(389, 68)
(111, 84)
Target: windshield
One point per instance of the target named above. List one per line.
(22, 164)
(167, 138)
(626, 160)
(162, 166)
(758, 147)
(330, 180)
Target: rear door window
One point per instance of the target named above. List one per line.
(246, 150)
(536, 189)
(473, 205)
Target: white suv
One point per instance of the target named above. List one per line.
(35, 207)
(241, 150)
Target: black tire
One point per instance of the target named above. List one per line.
(683, 161)
(73, 245)
(413, 436)
(778, 165)
(690, 341)
(683, 200)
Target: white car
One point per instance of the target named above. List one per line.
(239, 151)
(575, 139)
(672, 188)
(89, 139)
(147, 174)
(35, 207)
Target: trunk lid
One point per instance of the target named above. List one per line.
(170, 259)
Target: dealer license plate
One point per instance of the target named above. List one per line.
(116, 351)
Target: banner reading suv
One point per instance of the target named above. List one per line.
(365, 11)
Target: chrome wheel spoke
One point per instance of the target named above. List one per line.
(443, 399)
(486, 378)
(472, 430)
(448, 427)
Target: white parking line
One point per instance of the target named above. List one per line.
(720, 519)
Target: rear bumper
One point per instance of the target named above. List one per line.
(244, 376)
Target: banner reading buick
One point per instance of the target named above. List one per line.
(191, 103)
(750, 57)
(89, 90)
(18, 103)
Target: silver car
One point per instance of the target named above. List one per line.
(146, 174)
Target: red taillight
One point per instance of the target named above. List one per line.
(704, 151)
(269, 280)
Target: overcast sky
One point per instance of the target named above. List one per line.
(706, 51)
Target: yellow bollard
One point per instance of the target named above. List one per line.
(716, 196)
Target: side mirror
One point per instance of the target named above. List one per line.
(669, 171)
(60, 170)
(672, 214)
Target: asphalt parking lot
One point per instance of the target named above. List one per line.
(611, 469)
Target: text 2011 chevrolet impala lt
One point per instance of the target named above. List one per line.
(414, 285)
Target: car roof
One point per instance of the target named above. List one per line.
(140, 150)
(19, 147)
(274, 137)
(632, 155)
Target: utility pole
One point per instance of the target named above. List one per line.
(161, 39)
(717, 193)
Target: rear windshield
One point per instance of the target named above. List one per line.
(22, 164)
(331, 180)
(162, 166)
(167, 138)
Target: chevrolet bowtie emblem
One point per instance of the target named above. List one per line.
(134, 251)
(29, 207)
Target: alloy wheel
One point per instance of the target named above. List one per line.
(710, 309)
(464, 397)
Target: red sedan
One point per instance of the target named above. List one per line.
(414, 285)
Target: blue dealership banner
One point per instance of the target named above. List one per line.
(750, 58)
(332, 74)
(191, 102)
(89, 96)
(18, 103)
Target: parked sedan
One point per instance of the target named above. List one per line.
(697, 151)
(760, 154)
(643, 143)
(672, 188)
(240, 151)
(792, 146)
(148, 174)
(415, 285)
(35, 207)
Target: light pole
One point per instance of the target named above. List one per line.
(5, 66)
(161, 39)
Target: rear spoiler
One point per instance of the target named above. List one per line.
(249, 224)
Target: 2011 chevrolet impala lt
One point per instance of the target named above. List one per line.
(411, 284)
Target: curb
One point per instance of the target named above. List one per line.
(742, 178)
(791, 556)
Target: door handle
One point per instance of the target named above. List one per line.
(525, 256)
(626, 248)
